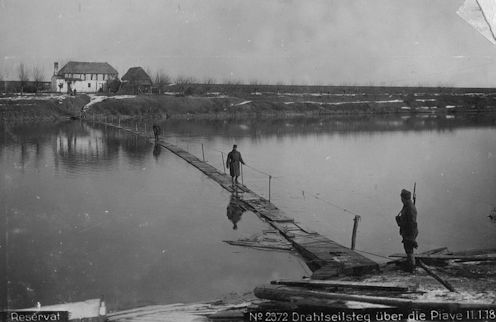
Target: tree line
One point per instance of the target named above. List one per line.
(28, 79)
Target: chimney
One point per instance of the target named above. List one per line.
(55, 68)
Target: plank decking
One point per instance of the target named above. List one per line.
(323, 256)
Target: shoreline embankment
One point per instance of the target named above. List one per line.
(216, 105)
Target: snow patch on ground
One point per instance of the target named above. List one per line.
(441, 295)
(426, 100)
(100, 98)
(120, 97)
(26, 97)
(317, 94)
(242, 103)
(351, 102)
(93, 100)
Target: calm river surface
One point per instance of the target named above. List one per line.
(88, 210)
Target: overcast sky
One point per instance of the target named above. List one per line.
(335, 42)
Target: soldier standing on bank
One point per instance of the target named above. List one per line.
(407, 221)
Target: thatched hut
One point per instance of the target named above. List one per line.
(136, 81)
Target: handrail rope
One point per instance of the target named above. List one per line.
(336, 205)
(314, 195)
(262, 172)
(253, 168)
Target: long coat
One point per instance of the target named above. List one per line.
(407, 221)
(233, 160)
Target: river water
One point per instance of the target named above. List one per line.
(90, 211)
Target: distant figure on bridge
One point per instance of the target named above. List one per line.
(407, 221)
(156, 131)
(234, 210)
(233, 164)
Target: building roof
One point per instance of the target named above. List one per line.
(136, 74)
(75, 67)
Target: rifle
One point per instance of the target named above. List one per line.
(414, 193)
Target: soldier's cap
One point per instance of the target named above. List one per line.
(405, 194)
(235, 146)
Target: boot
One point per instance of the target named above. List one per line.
(410, 263)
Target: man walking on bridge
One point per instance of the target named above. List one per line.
(156, 131)
(407, 221)
(233, 164)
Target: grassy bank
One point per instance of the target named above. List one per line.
(284, 102)
(289, 104)
(41, 107)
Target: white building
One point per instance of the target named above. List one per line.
(84, 77)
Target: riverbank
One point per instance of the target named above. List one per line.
(389, 289)
(287, 104)
(246, 104)
(41, 107)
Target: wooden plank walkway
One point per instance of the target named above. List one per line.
(323, 256)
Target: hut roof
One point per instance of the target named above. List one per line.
(75, 67)
(136, 74)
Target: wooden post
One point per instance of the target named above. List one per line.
(355, 228)
(223, 163)
(241, 170)
(414, 193)
(136, 124)
(203, 153)
(270, 178)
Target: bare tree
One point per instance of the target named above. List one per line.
(148, 71)
(208, 83)
(38, 75)
(184, 83)
(162, 78)
(23, 76)
(184, 80)
(188, 80)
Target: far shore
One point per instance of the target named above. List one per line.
(246, 104)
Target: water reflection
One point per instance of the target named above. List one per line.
(157, 149)
(235, 210)
(75, 146)
(340, 124)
